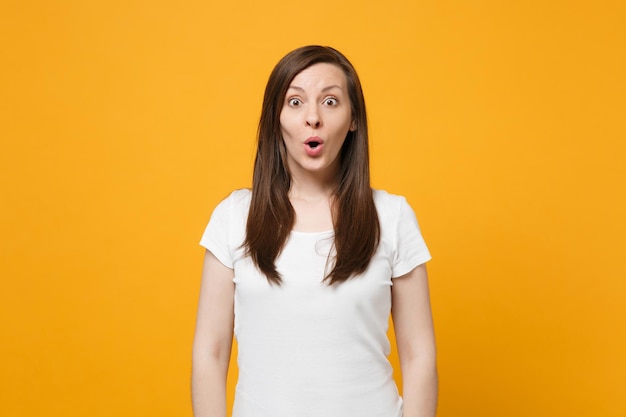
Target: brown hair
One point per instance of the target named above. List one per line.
(271, 216)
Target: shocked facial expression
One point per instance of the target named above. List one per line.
(315, 118)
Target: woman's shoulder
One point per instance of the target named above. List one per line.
(237, 202)
(392, 208)
(240, 195)
(387, 201)
(237, 198)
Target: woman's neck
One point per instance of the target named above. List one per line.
(310, 191)
(312, 187)
(311, 200)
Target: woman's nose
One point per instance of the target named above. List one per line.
(313, 118)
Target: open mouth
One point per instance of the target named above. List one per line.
(314, 145)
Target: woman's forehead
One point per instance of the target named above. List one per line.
(321, 76)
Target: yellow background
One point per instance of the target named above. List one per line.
(123, 123)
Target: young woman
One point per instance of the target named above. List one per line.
(306, 267)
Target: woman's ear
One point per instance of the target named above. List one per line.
(353, 126)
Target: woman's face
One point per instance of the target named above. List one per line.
(315, 119)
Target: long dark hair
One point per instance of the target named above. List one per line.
(271, 216)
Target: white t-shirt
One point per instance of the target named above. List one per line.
(307, 349)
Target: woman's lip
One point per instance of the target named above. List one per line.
(310, 151)
(314, 139)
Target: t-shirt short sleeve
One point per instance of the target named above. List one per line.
(216, 237)
(410, 248)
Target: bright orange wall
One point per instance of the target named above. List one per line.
(123, 123)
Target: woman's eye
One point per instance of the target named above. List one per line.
(294, 102)
(330, 101)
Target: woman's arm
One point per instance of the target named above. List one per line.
(415, 338)
(213, 339)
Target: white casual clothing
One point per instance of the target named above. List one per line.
(307, 349)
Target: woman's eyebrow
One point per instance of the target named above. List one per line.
(330, 87)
